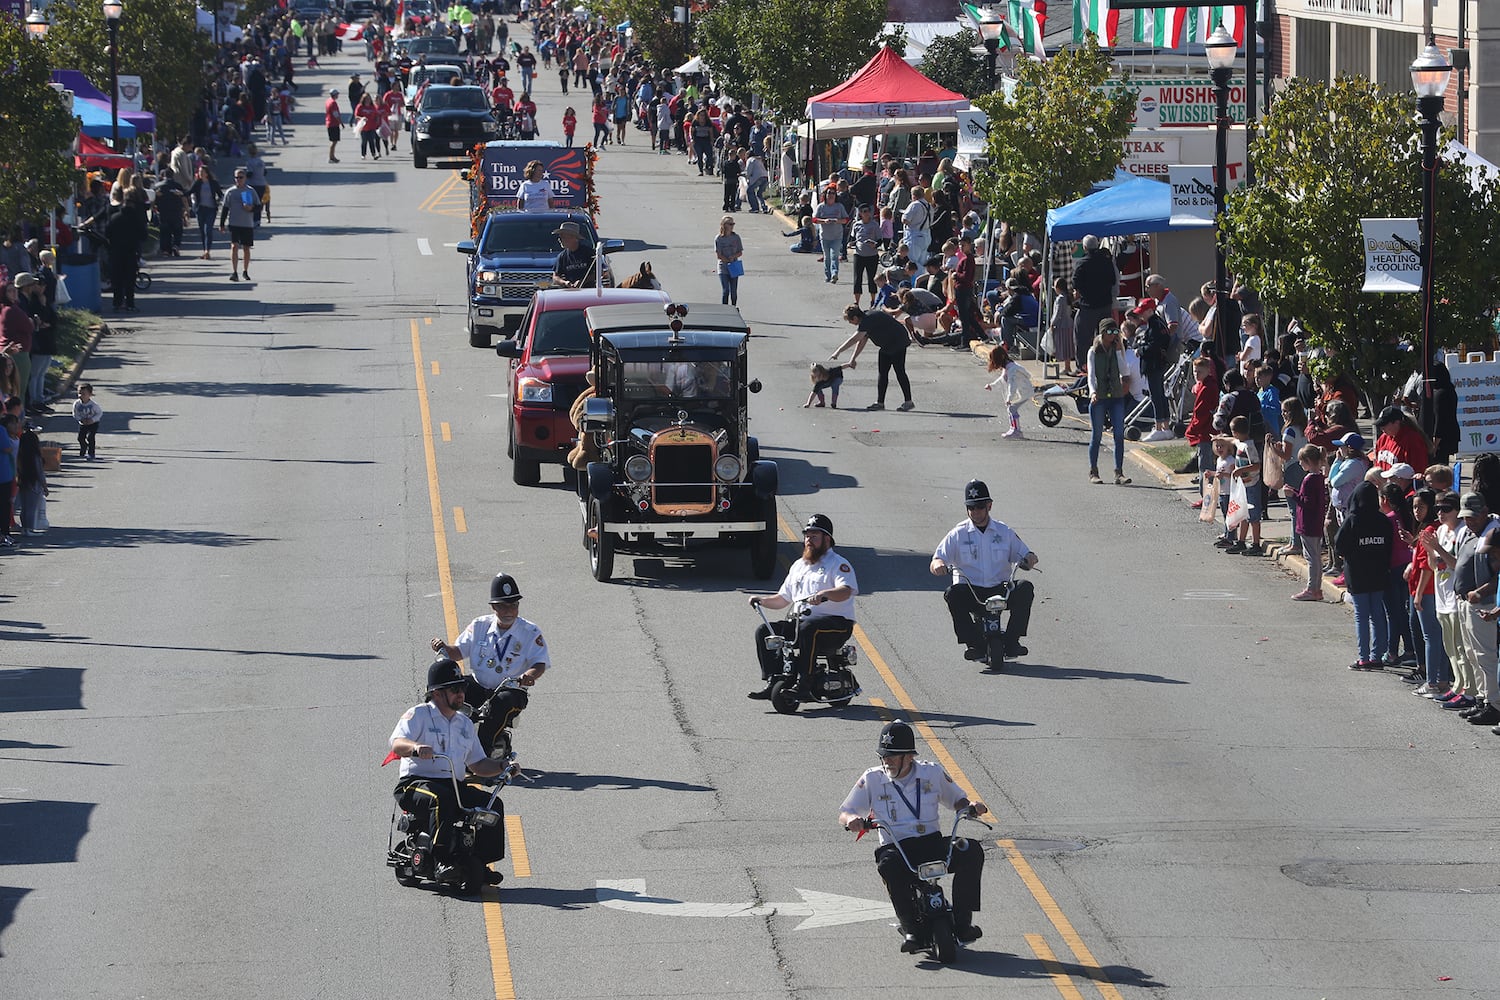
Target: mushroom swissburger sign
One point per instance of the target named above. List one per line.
(1176, 102)
(1392, 261)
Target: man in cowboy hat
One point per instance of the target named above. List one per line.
(576, 262)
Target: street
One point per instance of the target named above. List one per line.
(303, 480)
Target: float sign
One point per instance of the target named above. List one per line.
(1476, 380)
(1392, 260)
(504, 168)
(1192, 196)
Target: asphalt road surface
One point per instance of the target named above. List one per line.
(302, 480)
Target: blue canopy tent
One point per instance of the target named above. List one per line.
(96, 121)
(1135, 206)
(141, 121)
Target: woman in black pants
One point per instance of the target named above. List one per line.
(891, 339)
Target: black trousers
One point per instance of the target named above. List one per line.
(888, 361)
(866, 266)
(962, 601)
(431, 801)
(901, 883)
(817, 635)
(506, 704)
(122, 270)
(87, 433)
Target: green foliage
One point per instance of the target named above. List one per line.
(159, 42)
(949, 63)
(788, 50)
(1328, 156)
(36, 129)
(1062, 132)
(660, 38)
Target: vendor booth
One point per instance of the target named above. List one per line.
(139, 121)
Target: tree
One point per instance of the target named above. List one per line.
(950, 63)
(724, 35)
(799, 48)
(36, 130)
(1328, 156)
(1062, 131)
(660, 38)
(159, 42)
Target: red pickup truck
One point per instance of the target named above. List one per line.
(549, 359)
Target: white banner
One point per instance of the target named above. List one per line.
(1393, 262)
(973, 131)
(130, 93)
(1192, 195)
(1476, 380)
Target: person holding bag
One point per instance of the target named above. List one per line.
(728, 249)
(1106, 368)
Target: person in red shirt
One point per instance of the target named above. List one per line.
(1200, 428)
(963, 289)
(570, 125)
(393, 104)
(1400, 440)
(502, 96)
(334, 119)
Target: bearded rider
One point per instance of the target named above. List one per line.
(826, 581)
(499, 647)
(903, 795)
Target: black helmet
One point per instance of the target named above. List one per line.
(976, 492)
(504, 588)
(819, 522)
(896, 737)
(444, 673)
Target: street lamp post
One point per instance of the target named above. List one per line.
(37, 25)
(991, 26)
(1220, 49)
(1429, 76)
(112, 11)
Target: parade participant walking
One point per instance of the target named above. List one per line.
(240, 203)
(903, 795)
(826, 581)
(333, 118)
(981, 554)
(728, 249)
(500, 648)
(891, 339)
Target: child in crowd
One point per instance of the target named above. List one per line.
(1440, 548)
(1437, 677)
(1060, 324)
(883, 290)
(828, 377)
(1311, 499)
(1439, 478)
(1270, 399)
(1364, 540)
(31, 478)
(1222, 472)
(1346, 472)
(1247, 471)
(1396, 507)
(570, 125)
(1018, 388)
(1199, 431)
(88, 414)
(887, 227)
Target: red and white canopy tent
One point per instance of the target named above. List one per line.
(91, 153)
(885, 96)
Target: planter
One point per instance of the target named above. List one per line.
(51, 457)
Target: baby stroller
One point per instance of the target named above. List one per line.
(1050, 397)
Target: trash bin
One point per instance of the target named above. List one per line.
(82, 270)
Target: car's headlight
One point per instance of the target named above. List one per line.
(489, 126)
(423, 121)
(488, 276)
(535, 391)
(727, 468)
(638, 468)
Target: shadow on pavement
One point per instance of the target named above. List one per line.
(1047, 672)
(10, 899)
(1004, 965)
(239, 389)
(869, 713)
(39, 689)
(75, 640)
(104, 537)
(42, 832)
(799, 477)
(574, 782)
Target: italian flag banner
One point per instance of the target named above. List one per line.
(1095, 16)
(976, 15)
(1161, 27)
(1203, 20)
(1027, 23)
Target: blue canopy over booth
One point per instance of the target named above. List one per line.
(1139, 205)
(140, 121)
(96, 120)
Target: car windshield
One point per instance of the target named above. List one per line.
(432, 46)
(560, 332)
(518, 233)
(466, 98)
(676, 379)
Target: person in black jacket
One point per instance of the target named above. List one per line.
(1445, 430)
(1364, 541)
(125, 233)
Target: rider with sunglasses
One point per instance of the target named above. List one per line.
(981, 555)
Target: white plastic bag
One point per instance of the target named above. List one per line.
(63, 295)
(1239, 505)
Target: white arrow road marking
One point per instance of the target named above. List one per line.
(822, 909)
(424, 248)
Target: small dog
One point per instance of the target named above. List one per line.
(644, 278)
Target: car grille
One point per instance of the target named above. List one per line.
(521, 284)
(682, 462)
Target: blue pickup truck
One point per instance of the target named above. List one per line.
(513, 257)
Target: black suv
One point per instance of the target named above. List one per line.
(676, 464)
(449, 121)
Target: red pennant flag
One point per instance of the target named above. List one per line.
(393, 755)
(863, 830)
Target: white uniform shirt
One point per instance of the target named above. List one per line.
(454, 737)
(909, 806)
(986, 558)
(827, 573)
(495, 656)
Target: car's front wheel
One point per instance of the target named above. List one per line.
(419, 161)
(763, 546)
(601, 544)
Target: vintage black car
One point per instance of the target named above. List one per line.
(669, 420)
(448, 122)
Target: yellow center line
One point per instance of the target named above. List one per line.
(1054, 968)
(447, 431)
(515, 842)
(494, 922)
(1028, 876)
(439, 194)
(459, 524)
(426, 320)
(435, 369)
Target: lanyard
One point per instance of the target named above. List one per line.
(500, 650)
(916, 811)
